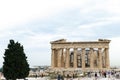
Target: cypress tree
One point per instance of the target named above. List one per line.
(0, 69)
(15, 63)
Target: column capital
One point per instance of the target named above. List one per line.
(91, 48)
(67, 48)
(99, 48)
(83, 48)
(53, 48)
(75, 49)
(106, 48)
(59, 48)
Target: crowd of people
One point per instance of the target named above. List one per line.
(96, 75)
(104, 74)
(71, 75)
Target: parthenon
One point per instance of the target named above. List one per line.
(83, 54)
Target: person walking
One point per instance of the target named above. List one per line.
(105, 74)
(96, 76)
(59, 77)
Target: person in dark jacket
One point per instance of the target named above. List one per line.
(96, 76)
(59, 77)
(105, 74)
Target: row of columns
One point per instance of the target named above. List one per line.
(58, 59)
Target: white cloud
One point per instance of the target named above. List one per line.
(100, 22)
(108, 6)
(15, 13)
(114, 51)
(19, 12)
(113, 6)
(94, 24)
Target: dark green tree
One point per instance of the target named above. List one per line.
(15, 63)
(0, 69)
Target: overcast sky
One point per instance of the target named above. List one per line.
(34, 23)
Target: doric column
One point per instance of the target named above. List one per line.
(62, 58)
(107, 63)
(91, 58)
(67, 65)
(52, 59)
(100, 58)
(59, 58)
(75, 57)
(83, 58)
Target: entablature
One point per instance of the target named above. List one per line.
(101, 43)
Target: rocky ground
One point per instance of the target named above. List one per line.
(85, 78)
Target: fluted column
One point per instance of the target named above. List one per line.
(59, 58)
(107, 63)
(75, 57)
(100, 58)
(62, 58)
(52, 59)
(91, 58)
(83, 58)
(67, 65)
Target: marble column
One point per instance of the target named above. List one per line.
(83, 58)
(107, 63)
(91, 58)
(75, 57)
(59, 58)
(100, 58)
(67, 65)
(52, 59)
(62, 58)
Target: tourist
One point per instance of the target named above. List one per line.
(89, 74)
(96, 76)
(105, 74)
(67, 76)
(35, 75)
(42, 75)
(59, 77)
(62, 77)
(100, 73)
(71, 78)
(109, 74)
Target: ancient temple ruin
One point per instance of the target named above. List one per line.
(84, 54)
